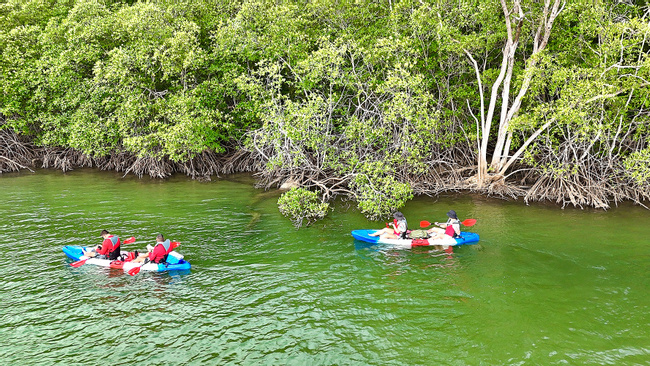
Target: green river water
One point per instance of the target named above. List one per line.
(544, 286)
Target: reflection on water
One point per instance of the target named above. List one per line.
(543, 286)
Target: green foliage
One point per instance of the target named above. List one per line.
(637, 167)
(106, 78)
(299, 130)
(302, 206)
(378, 193)
(263, 30)
(371, 93)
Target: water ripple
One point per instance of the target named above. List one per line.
(260, 292)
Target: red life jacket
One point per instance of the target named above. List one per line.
(450, 231)
(160, 252)
(110, 247)
(398, 233)
(450, 228)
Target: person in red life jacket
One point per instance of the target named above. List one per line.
(157, 253)
(109, 249)
(398, 231)
(450, 228)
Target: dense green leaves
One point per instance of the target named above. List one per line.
(302, 206)
(359, 99)
(377, 192)
(101, 79)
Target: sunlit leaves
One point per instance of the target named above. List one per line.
(637, 167)
(302, 206)
(377, 192)
(364, 92)
(263, 30)
(109, 77)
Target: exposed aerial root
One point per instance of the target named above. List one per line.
(14, 153)
(503, 189)
(593, 185)
(577, 191)
(64, 159)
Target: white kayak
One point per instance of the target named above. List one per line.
(175, 261)
(465, 238)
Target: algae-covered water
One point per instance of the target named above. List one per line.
(544, 285)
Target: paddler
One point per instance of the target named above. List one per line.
(450, 228)
(108, 249)
(157, 253)
(398, 231)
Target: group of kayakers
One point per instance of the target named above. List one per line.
(157, 253)
(110, 249)
(398, 229)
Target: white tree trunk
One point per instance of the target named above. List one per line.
(501, 160)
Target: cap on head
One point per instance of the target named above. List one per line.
(398, 215)
(452, 214)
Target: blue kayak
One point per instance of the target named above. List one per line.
(176, 261)
(464, 239)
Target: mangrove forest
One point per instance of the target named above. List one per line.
(369, 101)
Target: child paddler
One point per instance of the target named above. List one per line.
(399, 228)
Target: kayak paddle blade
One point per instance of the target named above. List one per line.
(469, 222)
(129, 240)
(78, 263)
(134, 271)
(425, 223)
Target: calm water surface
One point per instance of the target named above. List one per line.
(544, 286)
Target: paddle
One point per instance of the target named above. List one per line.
(79, 263)
(468, 222)
(83, 261)
(134, 271)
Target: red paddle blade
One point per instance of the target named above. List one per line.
(469, 222)
(174, 245)
(425, 223)
(78, 263)
(129, 240)
(134, 271)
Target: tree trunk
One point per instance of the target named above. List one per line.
(501, 158)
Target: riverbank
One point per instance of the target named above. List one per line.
(18, 153)
(375, 104)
